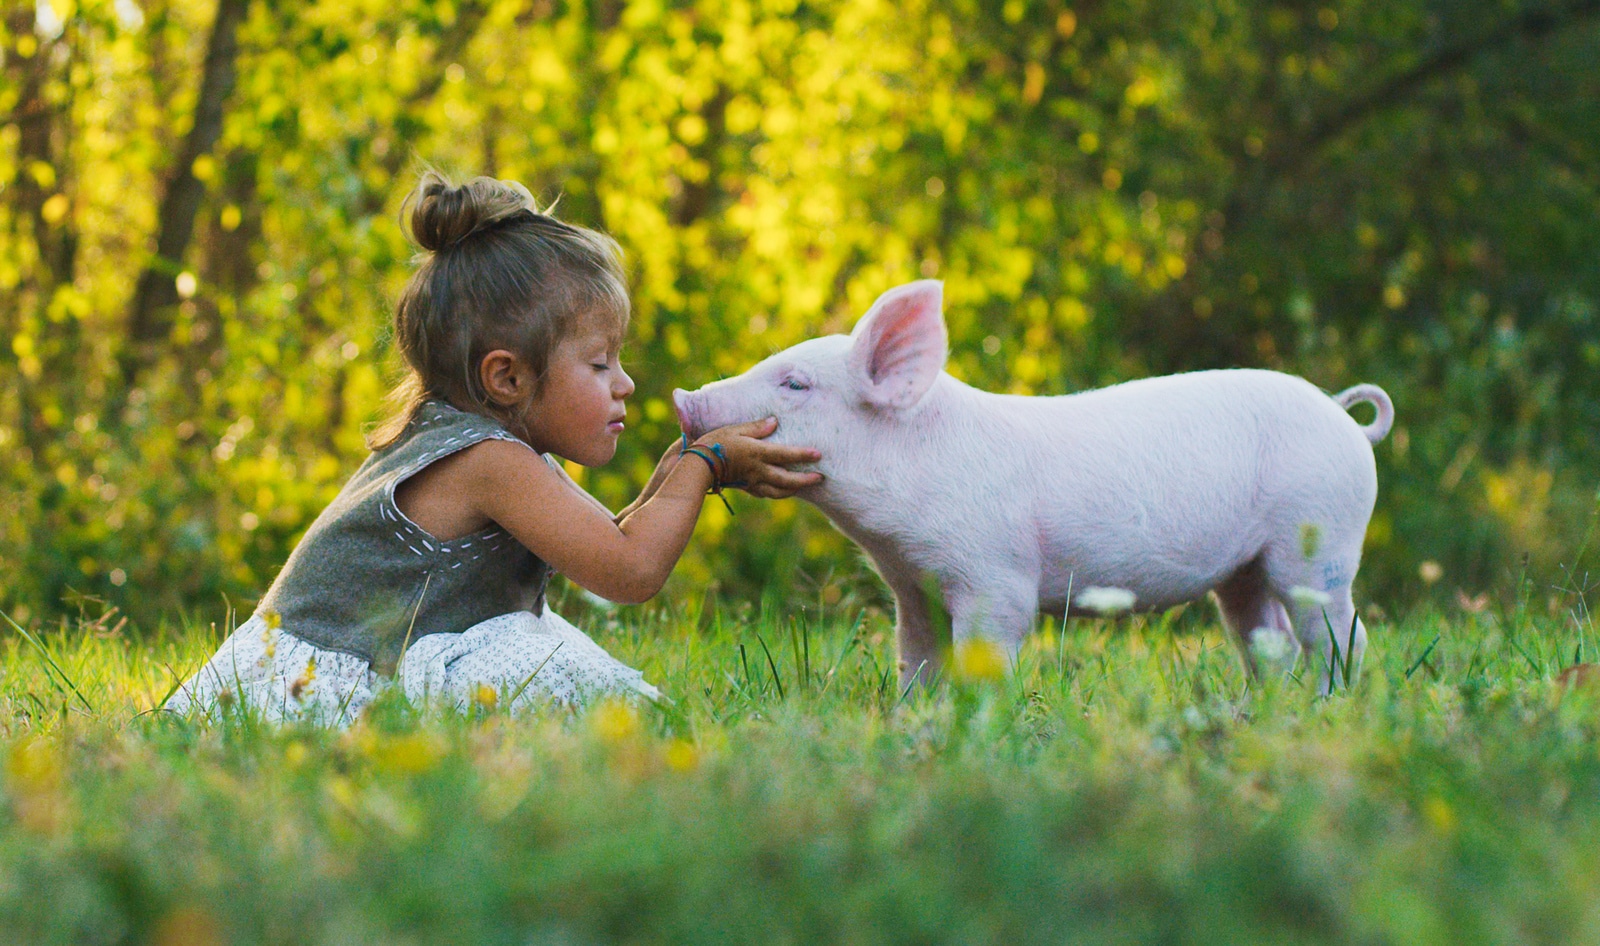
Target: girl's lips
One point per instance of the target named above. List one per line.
(615, 426)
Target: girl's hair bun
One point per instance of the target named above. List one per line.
(442, 213)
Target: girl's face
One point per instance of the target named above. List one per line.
(578, 414)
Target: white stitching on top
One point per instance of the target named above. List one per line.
(390, 510)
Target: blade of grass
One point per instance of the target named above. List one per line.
(1350, 650)
(1535, 667)
(1333, 671)
(344, 704)
(1180, 663)
(849, 645)
(805, 650)
(39, 646)
(914, 678)
(883, 683)
(794, 648)
(771, 664)
(405, 645)
(1417, 664)
(1061, 640)
(548, 657)
(738, 688)
(177, 682)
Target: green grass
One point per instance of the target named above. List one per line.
(1125, 785)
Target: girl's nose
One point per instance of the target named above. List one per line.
(624, 385)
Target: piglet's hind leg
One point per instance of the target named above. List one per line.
(1333, 637)
(1257, 621)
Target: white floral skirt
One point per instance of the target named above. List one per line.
(515, 660)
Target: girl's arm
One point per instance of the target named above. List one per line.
(573, 485)
(627, 560)
(664, 467)
(659, 476)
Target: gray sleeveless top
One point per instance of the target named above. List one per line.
(365, 580)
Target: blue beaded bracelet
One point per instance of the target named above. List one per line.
(716, 455)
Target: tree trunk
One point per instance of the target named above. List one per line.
(150, 317)
(39, 177)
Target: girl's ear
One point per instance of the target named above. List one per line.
(506, 379)
(900, 345)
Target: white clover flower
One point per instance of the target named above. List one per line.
(1106, 600)
(1269, 645)
(1309, 597)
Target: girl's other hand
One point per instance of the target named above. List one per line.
(758, 467)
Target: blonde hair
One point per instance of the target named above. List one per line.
(494, 272)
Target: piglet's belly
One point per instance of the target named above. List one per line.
(1148, 595)
(1161, 570)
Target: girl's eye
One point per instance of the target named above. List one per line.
(795, 384)
(600, 366)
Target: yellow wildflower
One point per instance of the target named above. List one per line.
(979, 660)
(615, 721)
(298, 689)
(682, 756)
(411, 754)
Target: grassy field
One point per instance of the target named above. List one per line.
(1125, 785)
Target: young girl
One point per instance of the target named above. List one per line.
(429, 567)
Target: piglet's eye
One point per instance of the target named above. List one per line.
(795, 384)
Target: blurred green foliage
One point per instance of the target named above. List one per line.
(1402, 192)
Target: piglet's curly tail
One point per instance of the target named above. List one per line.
(1374, 395)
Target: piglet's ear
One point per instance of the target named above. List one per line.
(900, 345)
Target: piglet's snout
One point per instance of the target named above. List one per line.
(687, 419)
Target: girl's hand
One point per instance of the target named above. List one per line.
(757, 467)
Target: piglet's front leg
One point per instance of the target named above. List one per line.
(917, 635)
(1002, 609)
